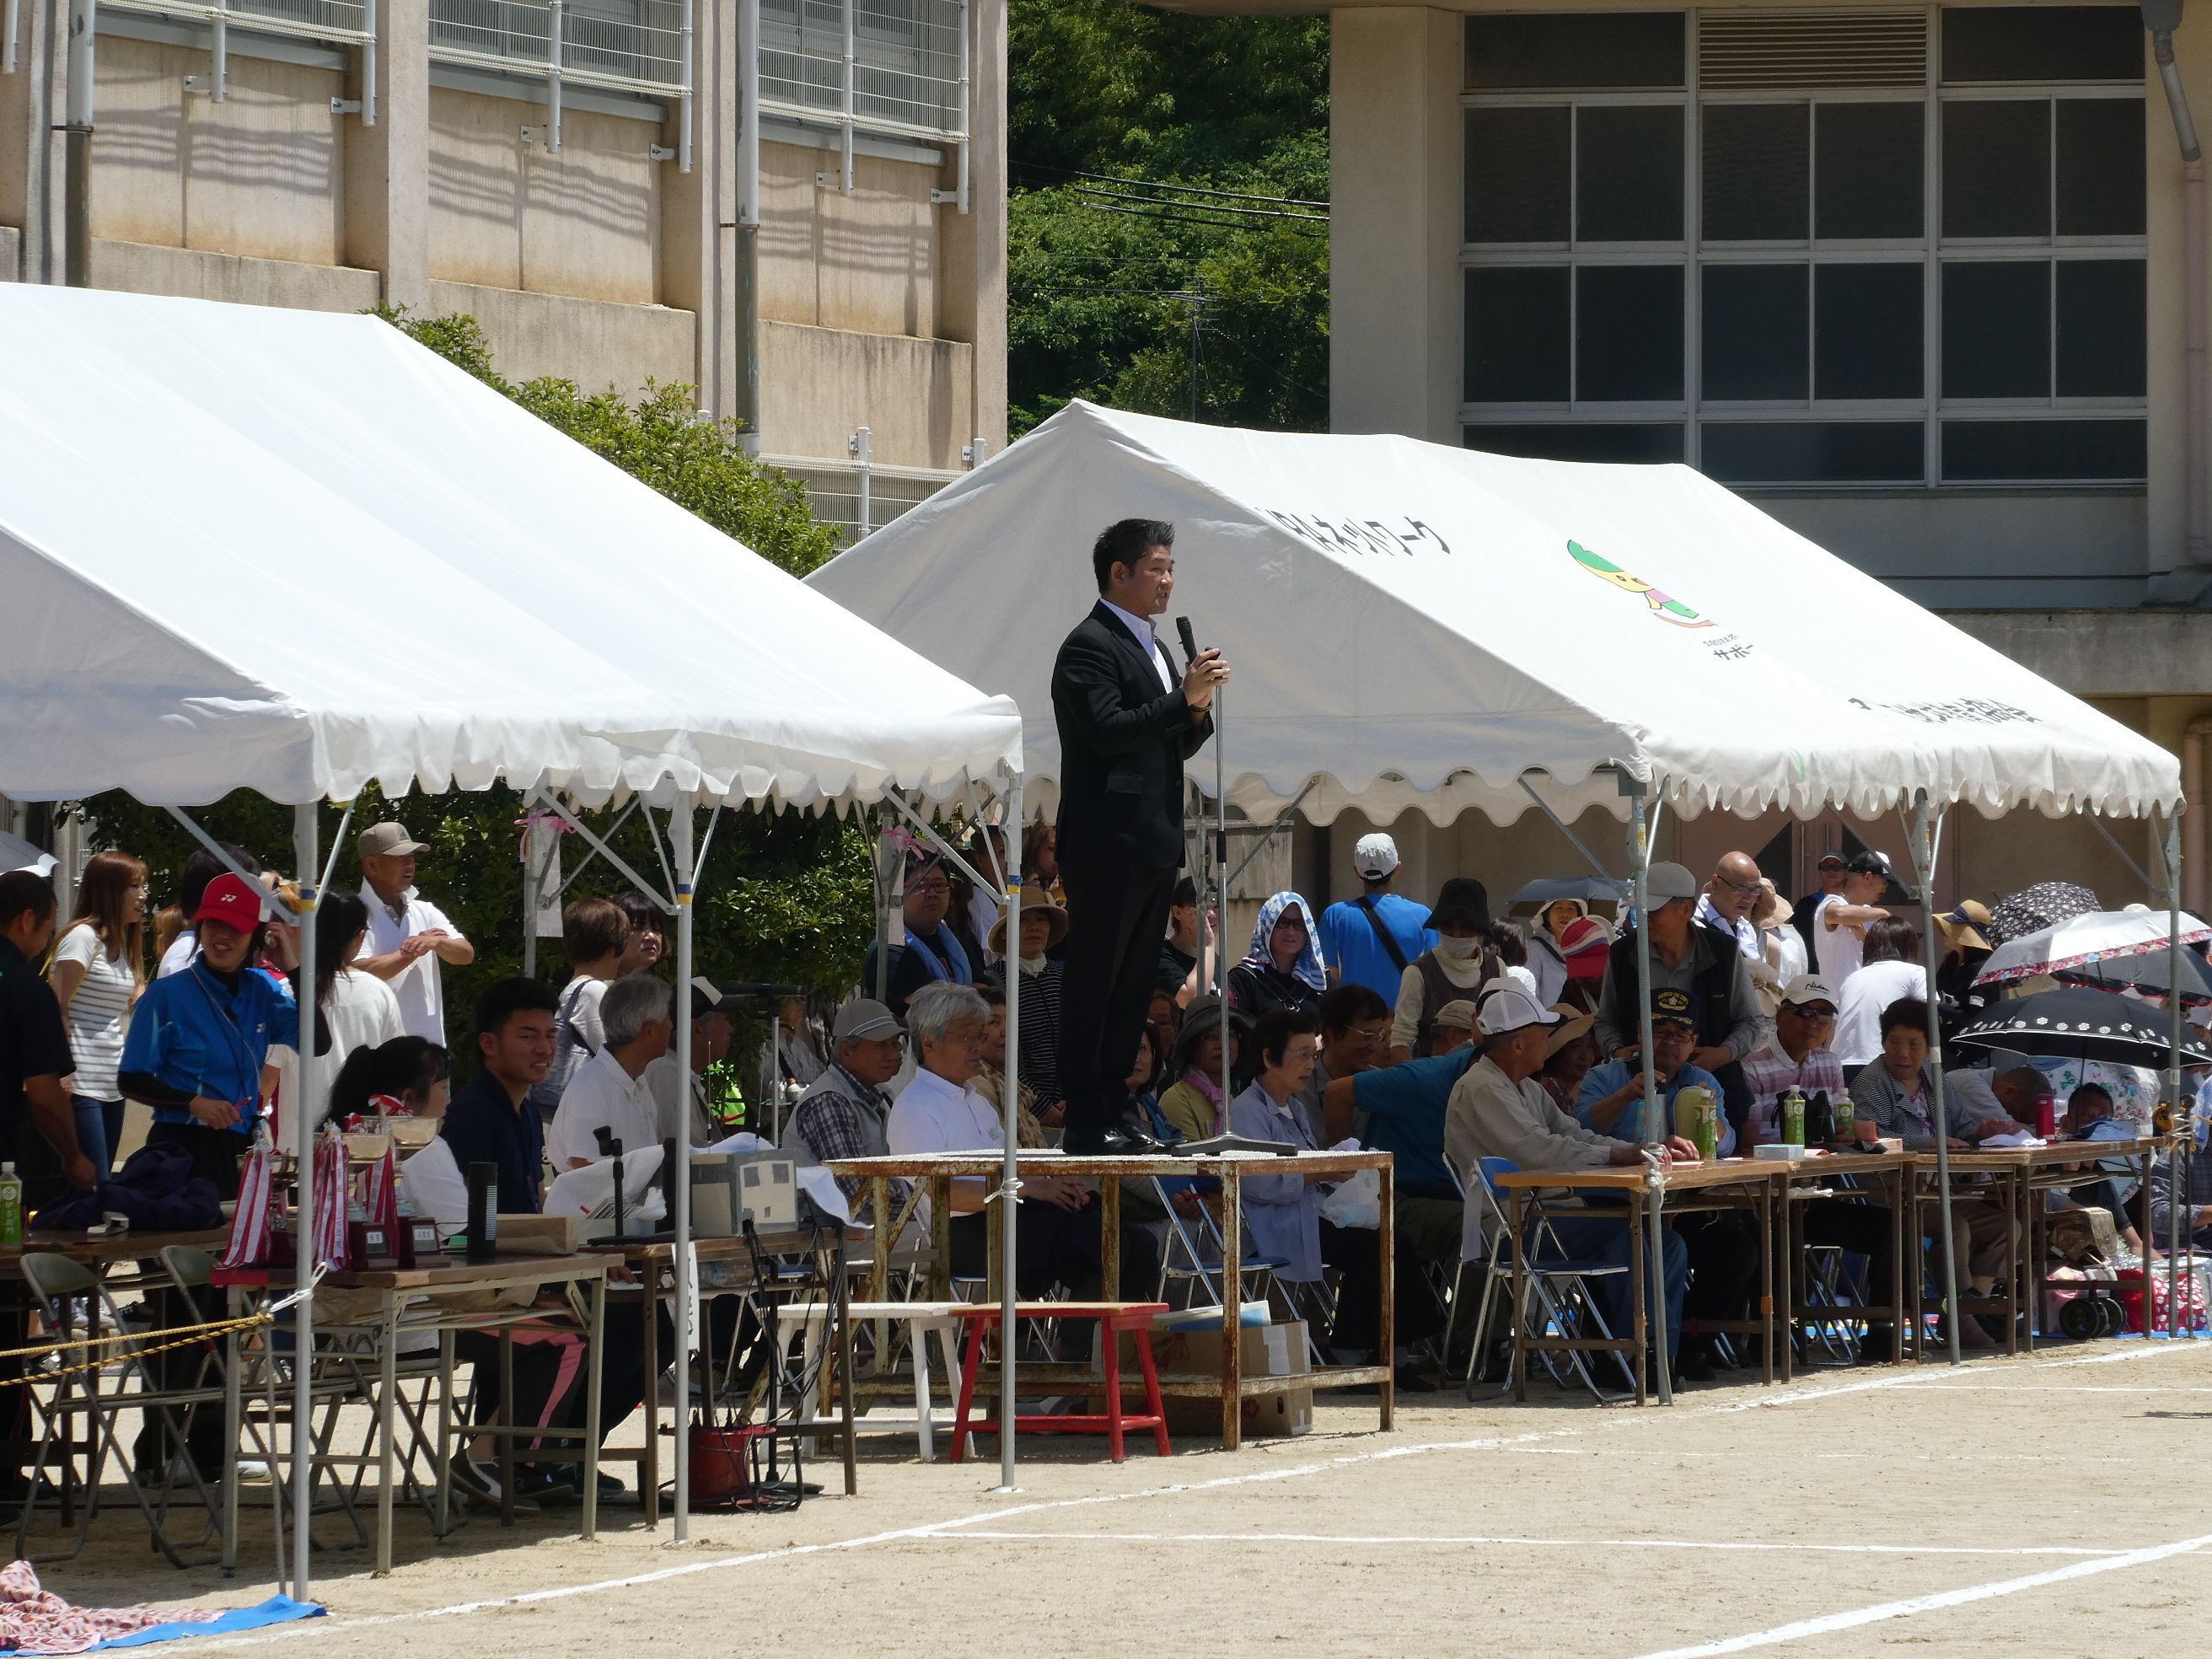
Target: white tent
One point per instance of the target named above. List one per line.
(1417, 625)
(295, 552)
(1412, 625)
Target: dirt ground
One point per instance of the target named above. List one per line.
(2054, 1502)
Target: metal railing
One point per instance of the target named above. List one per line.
(339, 23)
(894, 66)
(639, 46)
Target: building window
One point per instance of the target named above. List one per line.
(1896, 248)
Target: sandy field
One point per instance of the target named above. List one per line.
(2054, 1504)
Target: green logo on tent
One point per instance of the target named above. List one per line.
(1667, 609)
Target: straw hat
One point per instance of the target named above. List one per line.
(1774, 910)
(1041, 905)
(1966, 928)
(1572, 1024)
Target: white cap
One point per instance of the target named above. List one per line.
(1376, 856)
(1669, 882)
(1509, 1008)
(1809, 987)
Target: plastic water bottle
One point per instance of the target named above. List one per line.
(11, 1206)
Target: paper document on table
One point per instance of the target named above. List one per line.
(2017, 1138)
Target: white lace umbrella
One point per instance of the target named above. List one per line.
(2085, 941)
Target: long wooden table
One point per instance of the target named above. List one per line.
(940, 1171)
(421, 1300)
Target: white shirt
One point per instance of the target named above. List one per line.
(1864, 995)
(1148, 637)
(1746, 936)
(1839, 950)
(434, 1184)
(363, 1013)
(932, 1116)
(1785, 951)
(99, 1013)
(179, 955)
(602, 1096)
(422, 997)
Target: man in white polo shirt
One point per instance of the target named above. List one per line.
(408, 935)
(609, 1090)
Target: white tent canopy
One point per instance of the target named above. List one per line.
(293, 552)
(1409, 624)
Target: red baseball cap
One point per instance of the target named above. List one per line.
(233, 899)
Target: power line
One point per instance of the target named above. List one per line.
(1186, 219)
(1164, 184)
(1086, 194)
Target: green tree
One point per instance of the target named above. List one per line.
(783, 897)
(1110, 274)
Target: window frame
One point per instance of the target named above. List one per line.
(1930, 250)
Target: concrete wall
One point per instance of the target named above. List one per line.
(882, 308)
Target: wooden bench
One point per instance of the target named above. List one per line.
(1113, 1318)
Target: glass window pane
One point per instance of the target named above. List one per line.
(1757, 172)
(2100, 166)
(1870, 179)
(2052, 451)
(2101, 328)
(1813, 452)
(1867, 331)
(1616, 49)
(1628, 332)
(1997, 329)
(1754, 331)
(1516, 335)
(1628, 175)
(2042, 42)
(1996, 169)
(1518, 184)
(1579, 441)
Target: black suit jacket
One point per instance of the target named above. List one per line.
(1122, 744)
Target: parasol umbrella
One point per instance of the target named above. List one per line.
(2032, 909)
(2118, 947)
(2152, 975)
(2080, 1024)
(1591, 889)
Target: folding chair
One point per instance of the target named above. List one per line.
(102, 1384)
(1561, 1301)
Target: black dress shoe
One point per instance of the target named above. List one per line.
(1109, 1140)
(1691, 1366)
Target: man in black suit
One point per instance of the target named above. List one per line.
(1127, 723)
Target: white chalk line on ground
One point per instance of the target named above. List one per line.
(935, 1528)
(1400, 1541)
(1856, 1617)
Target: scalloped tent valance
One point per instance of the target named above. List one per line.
(295, 552)
(1410, 625)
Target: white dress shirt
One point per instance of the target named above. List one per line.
(602, 1096)
(421, 996)
(1148, 637)
(933, 1115)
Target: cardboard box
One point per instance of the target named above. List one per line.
(1187, 1356)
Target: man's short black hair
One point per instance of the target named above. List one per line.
(1345, 1005)
(1125, 542)
(1186, 893)
(204, 867)
(503, 999)
(22, 890)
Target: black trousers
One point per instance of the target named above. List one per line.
(1723, 1265)
(1117, 918)
(1861, 1228)
(1057, 1247)
(1357, 1253)
(216, 1154)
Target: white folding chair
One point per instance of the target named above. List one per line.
(1560, 1301)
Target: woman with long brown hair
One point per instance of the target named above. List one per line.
(99, 969)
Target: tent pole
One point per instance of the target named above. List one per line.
(1923, 843)
(1221, 889)
(879, 881)
(1010, 1183)
(2184, 1130)
(1560, 824)
(303, 1236)
(607, 853)
(685, 874)
(1654, 1134)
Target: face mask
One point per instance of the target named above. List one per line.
(1458, 950)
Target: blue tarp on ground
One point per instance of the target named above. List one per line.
(277, 1610)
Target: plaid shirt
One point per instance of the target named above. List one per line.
(1767, 1072)
(840, 1116)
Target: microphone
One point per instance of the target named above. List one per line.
(1189, 643)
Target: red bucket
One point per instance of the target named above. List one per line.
(721, 1465)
